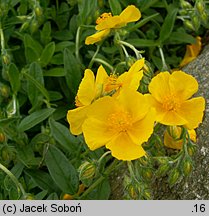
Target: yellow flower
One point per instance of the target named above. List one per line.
(106, 22)
(172, 137)
(170, 95)
(89, 90)
(130, 79)
(192, 51)
(120, 123)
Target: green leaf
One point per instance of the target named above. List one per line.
(47, 54)
(142, 22)
(53, 196)
(115, 6)
(64, 44)
(86, 9)
(72, 70)
(143, 42)
(43, 180)
(34, 119)
(33, 49)
(63, 136)
(55, 95)
(41, 195)
(168, 25)
(14, 78)
(55, 72)
(62, 171)
(34, 94)
(38, 85)
(181, 37)
(46, 33)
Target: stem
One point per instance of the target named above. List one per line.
(165, 67)
(14, 179)
(103, 62)
(98, 181)
(2, 39)
(93, 58)
(125, 51)
(138, 55)
(77, 43)
(103, 156)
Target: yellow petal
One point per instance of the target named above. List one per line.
(141, 130)
(170, 142)
(192, 51)
(102, 108)
(110, 22)
(130, 14)
(130, 80)
(96, 133)
(192, 135)
(97, 37)
(137, 66)
(76, 117)
(183, 85)
(123, 148)
(86, 90)
(192, 111)
(101, 78)
(134, 102)
(159, 86)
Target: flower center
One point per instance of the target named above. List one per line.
(112, 83)
(171, 103)
(103, 17)
(120, 121)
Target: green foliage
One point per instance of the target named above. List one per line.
(43, 58)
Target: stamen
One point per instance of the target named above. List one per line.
(103, 17)
(120, 121)
(171, 103)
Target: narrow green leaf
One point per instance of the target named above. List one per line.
(168, 25)
(46, 33)
(35, 118)
(142, 42)
(142, 22)
(55, 95)
(62, 171)
(41, 195)
(47, 54)
(72, 70)
(42, 179)
(63, 136)
(34, 94)
(14, 77)
(38, 85)
(64, 44)
(55, 72)
(181, 37)
(115, 6)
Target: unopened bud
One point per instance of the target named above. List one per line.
(204, 17)
(29, 197)
(173, 177)
(186, 5)
(200, 6)
(147, 174)
(2, 137)
(189, 25)
(4, 91)
(147, 194)
(191, 150)
(5, 154)
(196, 22)
(6, 59)
(87, 171)
(34, 26)
(130, 61)
(187, 167)
(38, 11)
(163, 169)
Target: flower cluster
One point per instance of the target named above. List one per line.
(111, 112)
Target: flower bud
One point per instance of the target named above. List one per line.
(187, 167)
(5, 154)
(204, 17)
(38, 11)
(200, 6)
(196, 22)
(189, 25)
(29, 196)
(2, 137)
(163, 169)
(87, 171)
(6, 59)
(4, 90)
(191, 150)
(186, 5)
(34, 26)
(147, 174)
(173, 176)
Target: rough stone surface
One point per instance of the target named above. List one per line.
(197, 185)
